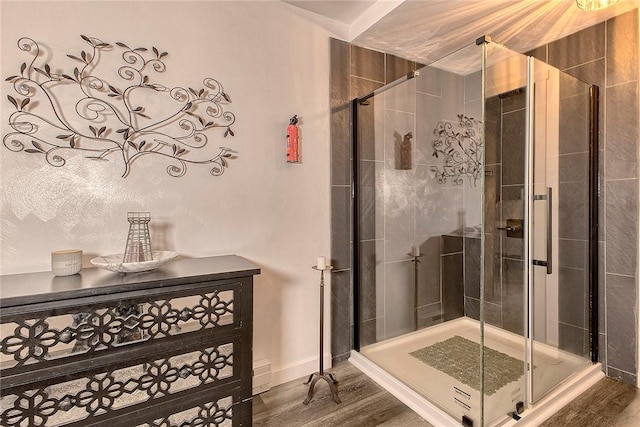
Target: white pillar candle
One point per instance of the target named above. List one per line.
(416, 250)
(322, 263)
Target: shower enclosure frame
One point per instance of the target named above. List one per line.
(592, 220)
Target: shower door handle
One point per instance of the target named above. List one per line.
(549, 198)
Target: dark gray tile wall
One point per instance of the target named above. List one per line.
(621, 207)
(621, 149)
(513, 131)
(622, 49)
(452, 272)
(368, 262)
(397, 67)
(513, 296)
(368, 64)
(340, 113)
(341, 289)
(472, 267)
(621, 310)
(579, 48)
(429, 270)
(493, 275)
(452, 286)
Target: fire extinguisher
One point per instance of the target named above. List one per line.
(293, 152)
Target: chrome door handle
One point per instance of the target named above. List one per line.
(549, 198)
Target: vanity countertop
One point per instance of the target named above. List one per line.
(42, 287)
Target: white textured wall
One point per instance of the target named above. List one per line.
(273, 64)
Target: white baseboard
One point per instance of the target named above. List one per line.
(261, 376)
(301, 369)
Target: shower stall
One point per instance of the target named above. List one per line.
(475, 231)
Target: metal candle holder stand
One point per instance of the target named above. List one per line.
(317, 376)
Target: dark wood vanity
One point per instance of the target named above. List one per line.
(169, 347)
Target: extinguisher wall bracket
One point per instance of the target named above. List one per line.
(293, 140)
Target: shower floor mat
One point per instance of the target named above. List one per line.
(459, 358)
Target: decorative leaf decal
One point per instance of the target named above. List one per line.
(13, 101)
(111, 123)
(461, 150)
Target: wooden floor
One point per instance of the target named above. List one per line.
(607, 403)
(365, 404)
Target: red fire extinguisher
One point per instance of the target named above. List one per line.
(293, 152)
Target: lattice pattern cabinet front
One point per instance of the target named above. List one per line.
(168, 348)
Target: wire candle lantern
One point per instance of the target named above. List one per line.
(138, 247)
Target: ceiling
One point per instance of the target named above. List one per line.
(426, 30)
(345, 11)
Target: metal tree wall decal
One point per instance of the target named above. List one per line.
(115, 111)
(462, 151)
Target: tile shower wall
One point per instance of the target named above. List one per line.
(607, 55)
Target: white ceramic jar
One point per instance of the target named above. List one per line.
(66, 262)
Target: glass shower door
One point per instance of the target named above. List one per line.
(504, 296)
(558, 216)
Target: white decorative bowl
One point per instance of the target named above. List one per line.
(114, 262)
